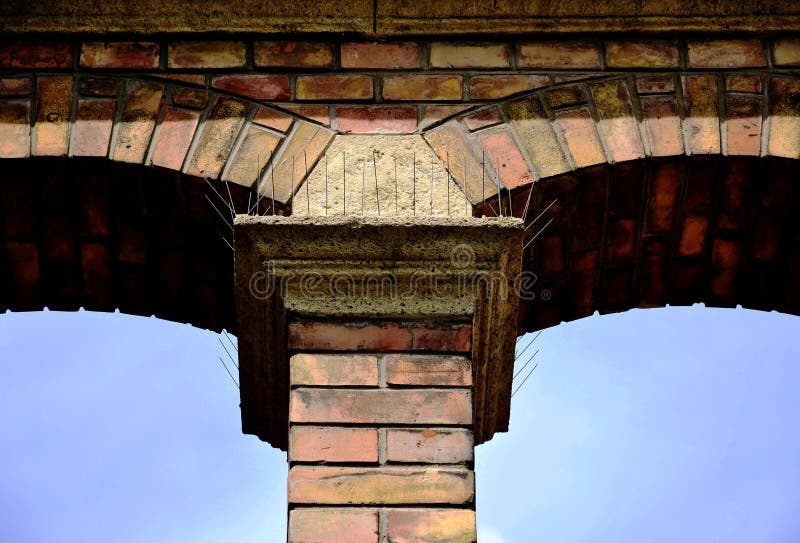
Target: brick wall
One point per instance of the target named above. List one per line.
(380, 438)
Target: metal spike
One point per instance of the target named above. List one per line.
(326, 185)
(539, 216)
(344, 183)
(363, 183)
(523, 381)
(221, 216)
(525, 365)
(537, 234)
(527, 204)
(528, 345)
(395, 186)
(375, 172)
(273, 189)
(227, 352)
(414, 188)
(306, 181)
(432, 180)
(229, 372)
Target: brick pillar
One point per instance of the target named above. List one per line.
(380, 422)
(378, 353)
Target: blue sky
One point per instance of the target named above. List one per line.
(666, 425)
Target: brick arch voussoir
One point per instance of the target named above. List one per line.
(615, 118)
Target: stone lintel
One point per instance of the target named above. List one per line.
(400, 269)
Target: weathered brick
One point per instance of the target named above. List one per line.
(174, 138)
(483, 118)
(54, 108)
(120, 54)
(664, 192)
(191, 98)
(216, 137)
(96, 264)
(192, 79)
(787, 52)
(422, 87)
(655, 84)
(744, 53)
(333, 369)
(332, 444)
(725, 258)
(15, 139)
(318, 113)
(92, 132)
(98, 86)
(693, 235)
(743, 83)
(643, 54)
(206, 54)
(566, 96)
(506, 159)
(492, 87)
(307, 141)
(449, 139)
(784, 117)
(35, 54)
(436, 113)
(15, 86)
(376, 119)
(381, 406)
(439, 525)
(252, 155)
(702, 118)
(743, 125)
(293, 54)
(442, 370)
(558, 54)
(23, 270)
(429, 445)
(334, 87)
(258, 87)
(378, 337)
(536, 134)
(579, 130)
(470, 55)
(273, 119)
(662, 125)
(369, 55)
(617, 124)
(137, 121)
(384, 485)
(333, 525)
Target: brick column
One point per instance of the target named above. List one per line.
(380, 422)
(378, 352)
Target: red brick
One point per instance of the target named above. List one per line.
(35, 54)
(403, 55)
(99, 86)
(334, 87)
(429, 445)
(422, 87)
(273, 119)
(492, 87)
(643, 54)
(258, 87)
(376, 119)
(23, 271)
(174, 138)
(332, 444)
(192, 79)
(333, 525)
(437, 113)
(662, 125)
(434, 338)
(92, 132)
(787, 52)
(470, 55)
(96, 263)
(439, 525)
(558, 54)
(702, 117)
(318, 113)
(378, 337)
(784, 119)
(381, 406)
(293, 54)
(743, 125)
(216, 137)
(384, 485)
(54, 108)
(693, 235)
(579, 131)
(333, 369)
(191, 98)
(532, 124)
(505, 158)
(483, 118)
(725, 258)
(15, 86)
(726, 54)
(743, 83)
(664, 190)
(137, 121)
(655, 84)
(617, 124)
(442, 370)
(206, 54)
(120, 54)
(253, 153)
(15, 139)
